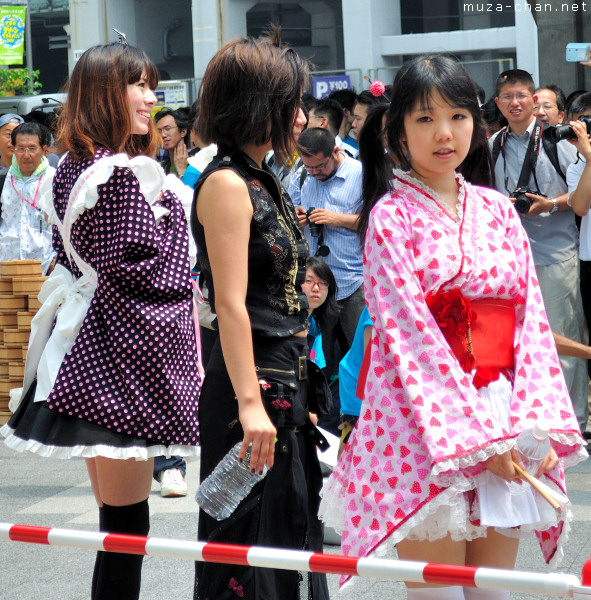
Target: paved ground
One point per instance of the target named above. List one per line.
(56, 493)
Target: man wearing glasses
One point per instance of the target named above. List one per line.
(549, 222)
(327, 199)
(173, 128)
(24, 231)
(550, 103)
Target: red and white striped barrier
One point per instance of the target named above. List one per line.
(561, 585)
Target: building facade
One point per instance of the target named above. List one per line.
(361, 38)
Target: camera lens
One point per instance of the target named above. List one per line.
(522, 204)
(314, 228)
(562, 132)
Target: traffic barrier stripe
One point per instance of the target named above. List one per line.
(226, 553)
(457, 575)
(127, 544)
(333, 563)
(561, 585)
(24, 533)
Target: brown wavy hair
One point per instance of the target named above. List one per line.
(97, 113)
(250, 93)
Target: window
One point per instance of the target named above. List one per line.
(449, 15)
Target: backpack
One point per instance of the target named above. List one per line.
(549, 147)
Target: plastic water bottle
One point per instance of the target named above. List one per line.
(227, 485)
(533, 444)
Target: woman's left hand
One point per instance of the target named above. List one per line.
(502, 465)
(548, 463)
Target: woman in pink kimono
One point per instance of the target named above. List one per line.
(462, 357)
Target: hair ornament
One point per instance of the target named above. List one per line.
(377, 88)
(121, 36)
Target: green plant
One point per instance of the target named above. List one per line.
(18, 80)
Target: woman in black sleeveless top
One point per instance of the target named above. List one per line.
(253, 257)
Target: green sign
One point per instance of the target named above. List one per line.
(12, 34)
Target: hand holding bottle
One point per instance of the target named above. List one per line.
(228, 484)
(259, 435)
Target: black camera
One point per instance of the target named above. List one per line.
(314, 227)
(566, 132)
(522, 202)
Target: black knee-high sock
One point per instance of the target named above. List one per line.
(119, 575)
(99, 557)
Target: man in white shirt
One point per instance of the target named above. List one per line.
(549, 222)
(24, 231)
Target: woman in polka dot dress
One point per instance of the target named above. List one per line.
(462, 359)
(124, 388)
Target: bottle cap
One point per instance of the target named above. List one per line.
(540, 430)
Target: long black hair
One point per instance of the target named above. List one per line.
(328, 311)
(377, 163)
(416, 82)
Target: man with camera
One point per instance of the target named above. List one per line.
(530, 167)
(327, 200)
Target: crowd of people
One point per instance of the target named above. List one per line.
(413, 246)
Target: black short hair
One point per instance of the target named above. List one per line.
(560, 97)
(315, 140)
(346, 98)
(332, 110)
(581, 105)
(32, 128)
(513, 76)
(368, 99)
(181, 116)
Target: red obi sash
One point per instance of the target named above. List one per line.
(480, 333)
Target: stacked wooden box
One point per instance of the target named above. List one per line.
(20, 282)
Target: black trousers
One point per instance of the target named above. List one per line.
(281, 510)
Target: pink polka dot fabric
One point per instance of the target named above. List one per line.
(133, 367)
(424, 429)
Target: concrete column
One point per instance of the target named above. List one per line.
(526, 40)
(364, 24)
(207, 32)
(87, 27)
(92, 22)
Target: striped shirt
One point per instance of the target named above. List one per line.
(340, 194)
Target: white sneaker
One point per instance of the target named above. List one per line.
(172, 484)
